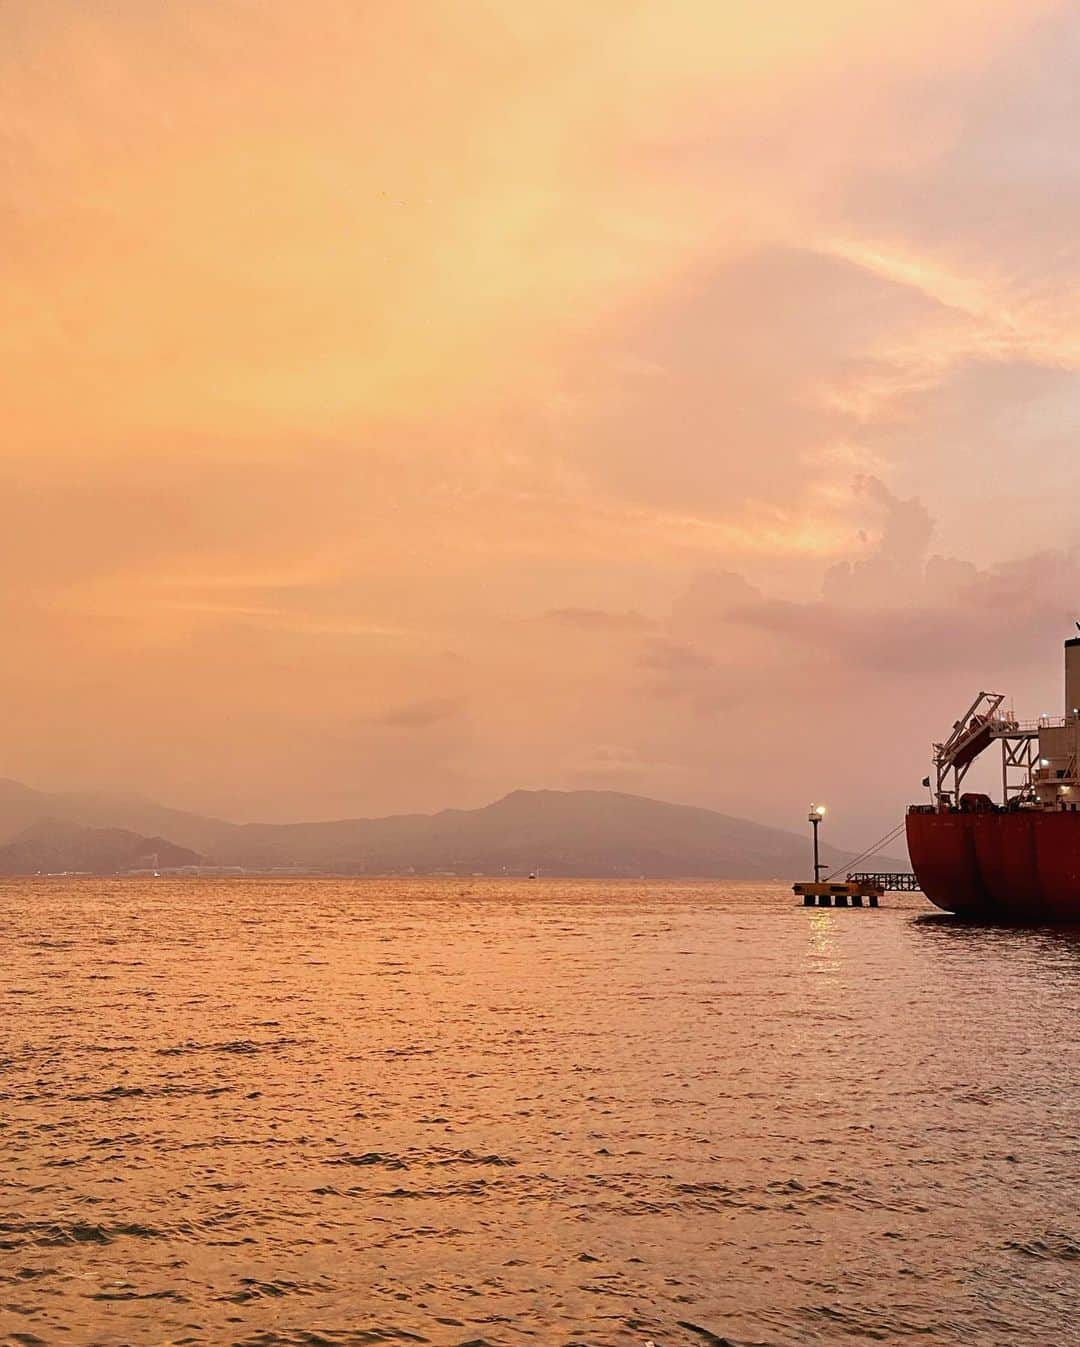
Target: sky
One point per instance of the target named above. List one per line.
(406, 403)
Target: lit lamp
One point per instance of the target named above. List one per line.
(817, 813)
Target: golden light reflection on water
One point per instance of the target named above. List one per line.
(338, 1113)
(823, 955)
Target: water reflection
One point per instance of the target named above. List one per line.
(1029, 939)
(352, 1112)
(822, 950)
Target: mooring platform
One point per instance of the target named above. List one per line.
(845, 893)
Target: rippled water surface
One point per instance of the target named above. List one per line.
(454, 1112)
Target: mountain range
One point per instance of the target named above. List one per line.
(585, 832)
(57, 846)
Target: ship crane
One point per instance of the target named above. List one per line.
(981, 724)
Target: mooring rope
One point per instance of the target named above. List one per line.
(863, 855)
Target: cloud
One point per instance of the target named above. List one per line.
(429, 400)
(612, 766)
(759, 698)
(597, 619)
(674, 657)
(420, 715)
(898, 608)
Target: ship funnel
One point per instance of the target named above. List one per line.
(1072, 676)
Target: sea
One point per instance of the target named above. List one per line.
(326, 1113)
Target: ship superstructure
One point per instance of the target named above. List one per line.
(1018, 859)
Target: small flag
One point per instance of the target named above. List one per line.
(926, 782)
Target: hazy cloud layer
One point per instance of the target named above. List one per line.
(407, 403)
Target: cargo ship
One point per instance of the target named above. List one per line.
(1017, 860)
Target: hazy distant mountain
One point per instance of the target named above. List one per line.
(53, 846)
(21, 806)
(601, 833)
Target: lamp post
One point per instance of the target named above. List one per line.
(817, 813)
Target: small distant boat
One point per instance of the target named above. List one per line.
(534, 874)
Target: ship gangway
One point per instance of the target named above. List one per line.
(902, 881)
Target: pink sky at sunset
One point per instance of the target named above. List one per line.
(409, 402)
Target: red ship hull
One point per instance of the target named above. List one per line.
(1018, 866)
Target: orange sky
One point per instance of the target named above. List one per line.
(409, 402)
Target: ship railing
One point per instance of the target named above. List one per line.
(1043, 723)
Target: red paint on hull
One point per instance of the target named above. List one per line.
(1017, 866)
